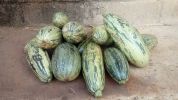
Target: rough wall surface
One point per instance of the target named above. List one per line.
(139, 12)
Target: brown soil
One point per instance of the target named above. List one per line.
(157, 81)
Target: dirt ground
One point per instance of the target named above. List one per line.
(158, 81)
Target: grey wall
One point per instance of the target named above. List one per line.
(139, 12)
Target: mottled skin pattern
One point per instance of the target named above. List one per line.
(82, 45)
(93, 69)
(100, 35)
(73, 32)
(39, 61)
(128, 39)
(66, 62)
(59, 19)
(150, 40)
(49, 37)
(116, 65)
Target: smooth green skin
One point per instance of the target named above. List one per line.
(66, 62)
(128, 39)
(49, 37)
(150, 41)
(34, 56)
(116, 65)
(93, 69)
(59, 19)
(73, 32)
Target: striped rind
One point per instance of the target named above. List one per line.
(49, 37)
(82, 45)
(73, 32)
(93, 69)
(59, 19)
(33, 42)
(150, 40)
(116, 65)
(39, 61)
(66, 62)
(128, 39)
(100, 35)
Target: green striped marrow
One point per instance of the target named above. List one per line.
(150, 40)
(116, 65)
(39, 61)
(128, 39)
(66, 62)
(84, 44)
(49, 37)
(73, 32)
(93, 69)
(59, 19)
(100, 35)
(88, 31)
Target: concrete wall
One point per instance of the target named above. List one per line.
(138, 12)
